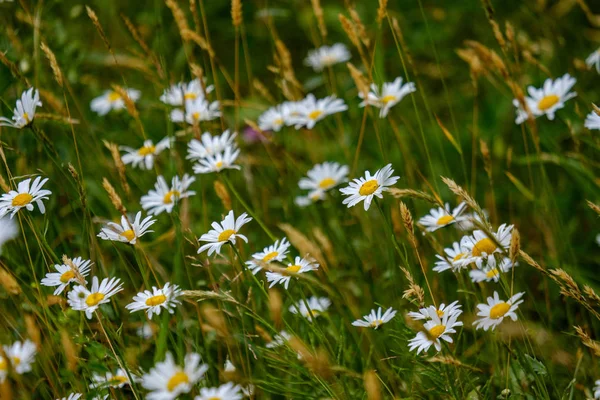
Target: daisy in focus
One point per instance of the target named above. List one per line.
(452, 309)
(178, 94)
(592, 121)
(276, 252)
(82, 299)
(117, 380)
(145, 155)
(593, 60)
(127, 232)
(326, 56)
(167, 380)
(434, 331)
(364, 189)
(228, 391)
(493, 313)
(21, 356)
(300, 266)
(489, 269)
(311, 308)
(218, 162)
(154, 301)
(391, 93)
(26, 194)
(375, 319)
(209, 145)
(112, 100)
(9, 230)
(24, 111)
(225, 232)
(163, 197)
(450, 259)
(441, 217)
(71, 271)
(310, 110)
(479, 245)
(547, 100)
(324, 176)
(196, 111)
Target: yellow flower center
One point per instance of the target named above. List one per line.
(114, 96)
(499, 310)
(3, 364)
(326, 183)
(156, 300)
(168, 199)
(270, 256)
(315, 196)
(445, 220)
(485, 245)
(369, 187)
(22, 199)
(146, 150)
(67, 276)
(129, 235)
(492, 273)
(196, 116)
(94, 298)
(119, 379)
(190, 96)
(315, 114)
(437, 331)
(458, 257)
(219, 164)
(376, 323)
(16, 360)
(293, 268)
(26, 117)
(388, 98)
(548, 101)
(439, 313)
(225, 235)
(278, 121)
(176, 380)
(214, 398)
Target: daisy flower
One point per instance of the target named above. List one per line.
(480, 245)
(326, 56)
(228, 367)
(279, 340)
(550, 98)
(300, 266)
(111, 100)
(443, 310)
(467, 222)
(24, 112)
(597, 389)
(145, 331)
(275, 252)
(21, 355)
(126, 231)
(182, 92)
(9, 230)
(209, 145)
(441, 217)
(489, 269)
(117, 380)
(493, 313)
(311, 110)
(218, 162)
(225, 232)
(435, 330)
(67, 273)
(316, 306)
(26, 194)
(163, 197)
(145, 155)
(371, 185)
(593, 60)
(157, 299)
(375, 319)
(273, 119)
(195, 111)
(228, 391)
(3, 369)
(324, 176)
(167, 380)
(391, 93)
(592, 121)
(82, 299)
(451, 260)
(313, 197)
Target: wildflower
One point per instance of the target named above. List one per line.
(326, 56)
(375, 319)
(597, 389)
(391, 93)
(547, 100)
(26, 194)
(310, 110)
(435, 330)
(228, 367)
(145, 331)
(112, 100)
(157, 299)
(209, 145)
(313, 197)
(489, 269)
(182, 92)
(593, 60)
(218, 162)
(195, 111)
(167, 380)
(3, 369)
(72, 396)
(21, 356)
(493, 313)
(163, 197)
(324, 176)
(592, 121)
(273, 119)
(311, 308)
(480, 245)
(275, 252)
(441, 217)
(467, 222)
(279, 340)
(371, 185)
(228, 391)
(451, 260)
(117, 380)
(82, 299)
(225, 232)
(24, 112)
(443, 310)
(300, 266)
(145, 155)
(67, 273)
(126, 231)
(9, 230)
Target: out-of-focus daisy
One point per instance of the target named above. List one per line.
(479, 245)
(218, 162)
(72, 396)
(435, 330)
(391, 93)
(467, 222)
(300, 266)
(324, 176)
(275, 252)
(82, 299)
(117, 380)
(370, 185)
(145, 331)
(225, 232)
(312, 197)
(157, 299)
(163, 197)
(112, 100)
(493, 313)
(311, 308)
(279, 340)
(592, 121)
(9, 230)
(167, 380)
(452, 258)
(489, 269)
(273, 119)
(443, 310)
(126, 231)
(441, 217)
(26, 194)
(145, 155)
(195, 111)
(550, 98)
(375, 319)
(326, 56)
(209, 145)
(67, 273)
(21, 355)
(3, 369)
(228, 367)
(597, 389)
(593, 60)
(24, 112)
(178, 94)
(310, 110)
(228, 391)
